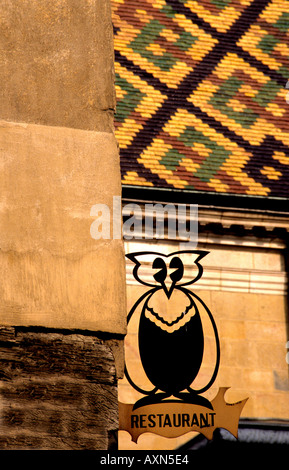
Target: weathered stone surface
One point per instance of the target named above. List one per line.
(53, 272)
(57, 391)
(57, 63)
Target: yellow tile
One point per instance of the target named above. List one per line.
(274, 109)
(281, 157)
(236, 105)
(169, 35)
(271, 173)
(222, 22)
(156, 49)
(218, 185)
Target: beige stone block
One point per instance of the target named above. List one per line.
(57, 63)
(238, 353)
(273, 307)
(229, 376)
(229, 258)
(271, 356)
(258, 380)
(53, 272)
(268, 260)
(249, 306)
(233, 329)
(229, 305)
(266, 331)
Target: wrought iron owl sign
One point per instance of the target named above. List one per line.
(173, 325)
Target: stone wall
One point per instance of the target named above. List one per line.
(62, 293)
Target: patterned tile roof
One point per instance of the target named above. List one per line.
(201, 97)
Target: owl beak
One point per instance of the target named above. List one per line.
(168, 286)
(173, 275)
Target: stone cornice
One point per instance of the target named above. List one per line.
(240, 238)
(235, 226)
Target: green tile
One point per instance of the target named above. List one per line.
(211, 164)
(267, 93)
(185, 41)
(283, 22)
(149, 35)
(225, 93)
(268, 43)
(221, 3)
(171, 159)
(129, 102)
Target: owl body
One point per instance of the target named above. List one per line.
(171, 332)
(167, 342)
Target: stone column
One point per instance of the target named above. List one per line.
(62, 293)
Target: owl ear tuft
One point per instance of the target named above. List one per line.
(131, 257)
(202, 255)
(193, 269)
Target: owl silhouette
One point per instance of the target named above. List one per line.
(170, 331)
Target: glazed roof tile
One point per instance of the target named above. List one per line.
(201, 95)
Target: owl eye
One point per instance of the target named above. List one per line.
(178, 265)
(162, 274)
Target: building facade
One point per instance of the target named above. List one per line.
(202, 118)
